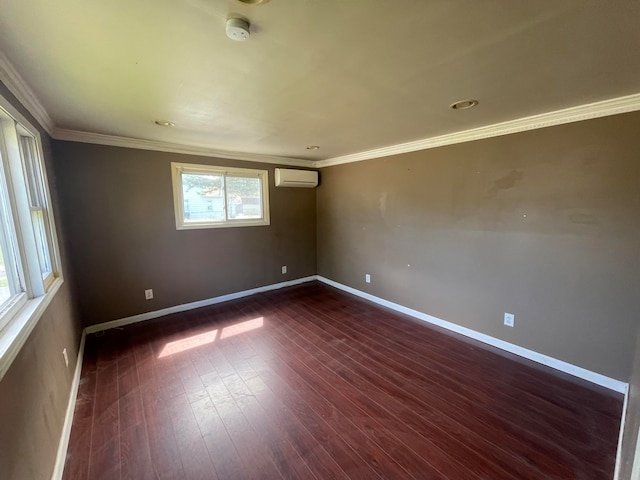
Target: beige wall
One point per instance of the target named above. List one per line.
(117, 206)
(34, 393)
(542, 224)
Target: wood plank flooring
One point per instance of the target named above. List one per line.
(310, 383)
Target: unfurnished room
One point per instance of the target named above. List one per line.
(304, 239)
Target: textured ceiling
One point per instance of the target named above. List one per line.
(347, 75)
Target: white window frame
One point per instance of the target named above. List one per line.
(26, 191)
(38, 196)
(177, 169)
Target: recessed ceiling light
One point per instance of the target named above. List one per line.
(463, 104)
(165, 123)
(252, 2)
(313, 147)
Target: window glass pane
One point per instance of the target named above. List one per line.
(10, 283)
(203, 197)
(5, 290)
(244, 197)
(30, 161)
(40, 231)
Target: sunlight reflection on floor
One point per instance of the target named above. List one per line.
(207, 337)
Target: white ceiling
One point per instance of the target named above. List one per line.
(347, 75)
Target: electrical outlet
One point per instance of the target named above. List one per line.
(509, 319)
(66, 357)
(367, 278)
(284, 269)
(148, 294)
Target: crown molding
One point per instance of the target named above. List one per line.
(127, 142)
(614, 106)
(16, 84)
(23, 92)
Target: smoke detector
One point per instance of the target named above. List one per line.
(238, 29)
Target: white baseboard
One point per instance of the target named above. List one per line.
(561, 365)
(190, 306)
(635, 467)
(616, 474)
(68, 418)
(63, 445)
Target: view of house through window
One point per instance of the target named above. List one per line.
(243, 197)
(212, 197)
(203, 197)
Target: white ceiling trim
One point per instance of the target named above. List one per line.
(22, 91)
(17, 85)
(614, 106)
(126, 142)
(25, 95)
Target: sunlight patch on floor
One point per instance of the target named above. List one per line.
(210, 336)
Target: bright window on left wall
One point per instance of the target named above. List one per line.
(29, 259)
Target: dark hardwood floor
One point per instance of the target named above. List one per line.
(310, 383)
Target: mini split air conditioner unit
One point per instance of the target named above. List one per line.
(288, 177)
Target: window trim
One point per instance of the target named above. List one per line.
(28, 307)
(177, 169)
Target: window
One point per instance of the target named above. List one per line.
(208, 197)
(29, 260)
(37, 206)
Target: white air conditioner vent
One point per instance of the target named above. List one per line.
(288, 177)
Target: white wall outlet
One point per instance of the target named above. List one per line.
(284, 269)
(148, 294)
(367, 278)
(66, 357)
(509, 319)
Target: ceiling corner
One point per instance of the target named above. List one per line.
(17, 85)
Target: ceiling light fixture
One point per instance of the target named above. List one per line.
(313, 147)
(165, 123)
(238, 29)
(252, 2)
(463, 104)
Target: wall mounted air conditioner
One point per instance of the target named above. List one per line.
(288, 177)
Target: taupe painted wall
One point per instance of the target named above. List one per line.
(34, 395)
(542, 224)
(632, 421)
(117, 206)
(35, 391)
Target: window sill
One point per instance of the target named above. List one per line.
(227, 224)
(15, 334)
